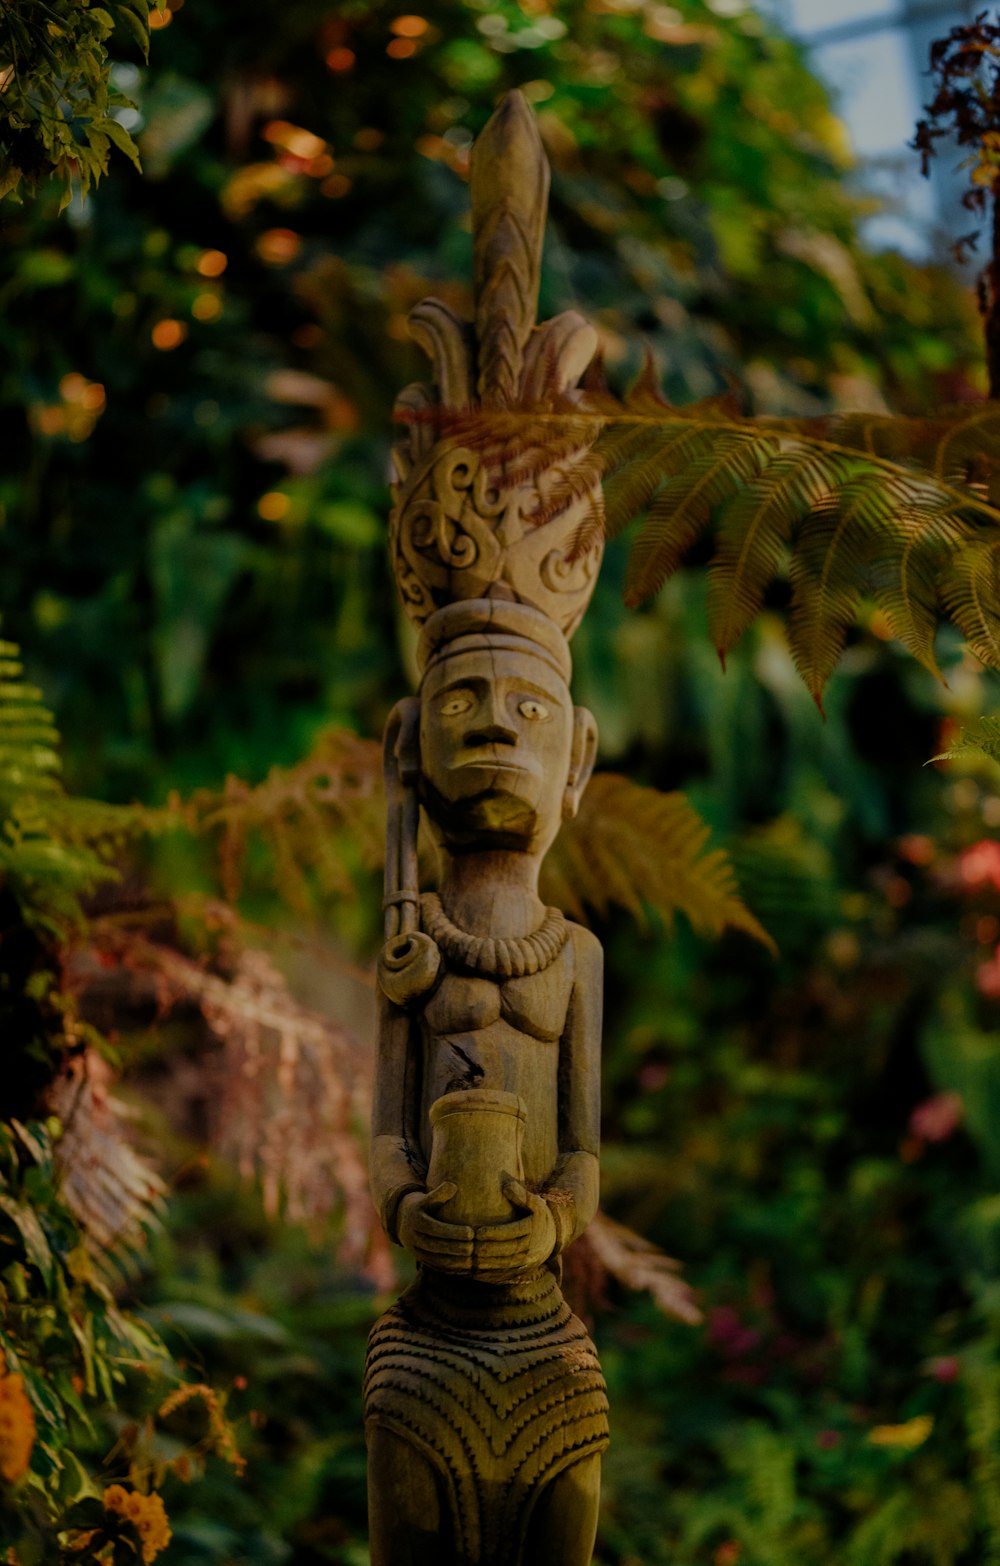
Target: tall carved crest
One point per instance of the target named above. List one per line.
(462, 527)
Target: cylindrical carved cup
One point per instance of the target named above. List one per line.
(476, 1143)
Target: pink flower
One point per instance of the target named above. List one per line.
(945, 1369)
(979, 866)
(937, 1118)
(727, 1332)
(828, 1440)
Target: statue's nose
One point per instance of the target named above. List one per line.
(492, 734)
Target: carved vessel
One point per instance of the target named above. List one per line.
(476, 1146)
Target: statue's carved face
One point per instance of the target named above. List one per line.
(496, 747)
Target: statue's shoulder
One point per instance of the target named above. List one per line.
(588, 953)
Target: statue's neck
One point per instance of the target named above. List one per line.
(493, 892)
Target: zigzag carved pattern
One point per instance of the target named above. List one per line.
(498, 1415)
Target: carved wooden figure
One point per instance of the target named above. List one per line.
(485, 1407)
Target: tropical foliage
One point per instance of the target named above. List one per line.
(901, 511)
(197, 390)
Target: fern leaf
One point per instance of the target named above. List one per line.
(762, 477)
(828, 574)
(963, 447)
(754, 531)
(315, 819)
(908, 571)
(639, 1265)
(29, 759)
(971, 593)
(637, 848)
(634, 466)
(113, 1193)
(293, 1088)
(683, 509)
(982, 739)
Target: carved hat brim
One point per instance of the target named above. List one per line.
(474, 624)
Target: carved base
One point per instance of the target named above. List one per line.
(496, 1392)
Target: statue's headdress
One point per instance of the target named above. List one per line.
(463, 527)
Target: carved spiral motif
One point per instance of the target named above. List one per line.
(454, 535)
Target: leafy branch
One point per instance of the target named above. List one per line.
(57, 103)
(965, 64)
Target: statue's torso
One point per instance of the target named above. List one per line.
(488, 1033)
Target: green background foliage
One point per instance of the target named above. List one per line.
(197, 392)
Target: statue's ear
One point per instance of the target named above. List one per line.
(581, 762)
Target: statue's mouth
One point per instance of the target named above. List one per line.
(490, 761)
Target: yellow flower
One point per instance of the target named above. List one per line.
(147, 1515)
(17, 1428)
(911, 1434)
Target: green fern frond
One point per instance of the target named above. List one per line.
(640, 849)
(314, 819)
(29, 760)
(683, 508)
(54, 849)
(754, 532)
(971, 594)
(909, 571)
(829, 571)
(982, 739)
(630, 483)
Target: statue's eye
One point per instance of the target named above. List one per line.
(455, 705)
(532, 709)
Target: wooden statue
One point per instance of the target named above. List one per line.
(485, 1407)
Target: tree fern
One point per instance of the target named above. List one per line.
(971, 597)
(683, 507)
(753, 536)
(639, 1265)
(639, 849)
(114, 1194)
(903, 511)
(828, 573)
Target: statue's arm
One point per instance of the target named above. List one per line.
(394, 1166)
(573, 1186)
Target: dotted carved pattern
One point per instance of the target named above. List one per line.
(499, 1386)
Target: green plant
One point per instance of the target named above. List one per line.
(60, 112)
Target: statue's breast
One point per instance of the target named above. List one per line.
(535, 1005)
(462, 1003)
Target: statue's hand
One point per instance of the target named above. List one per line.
(447, 1247)
(504, 1249)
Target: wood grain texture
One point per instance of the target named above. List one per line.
(485, 1407)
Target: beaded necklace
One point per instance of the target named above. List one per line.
(513, 957)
